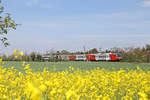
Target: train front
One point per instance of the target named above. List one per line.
(118, 57)
(115, 57)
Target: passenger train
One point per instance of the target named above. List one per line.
(89, 57)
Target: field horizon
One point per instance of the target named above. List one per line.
(64, 65)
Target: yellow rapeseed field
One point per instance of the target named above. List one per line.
(97, 84)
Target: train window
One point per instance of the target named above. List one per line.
(81, 56)
(118, 55)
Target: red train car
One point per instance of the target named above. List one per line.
(115, 57)
(90, 57)
(72, 58)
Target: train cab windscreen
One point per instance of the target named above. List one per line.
(118, 55)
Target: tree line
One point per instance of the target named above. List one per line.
(130, 54)
(26, 57)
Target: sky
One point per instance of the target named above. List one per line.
(74, 24)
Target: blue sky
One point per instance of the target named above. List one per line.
(72, 24)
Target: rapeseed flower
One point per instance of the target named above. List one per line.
(97, 84)
(1, 59)
(20, 53)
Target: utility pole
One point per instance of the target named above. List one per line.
(84, 48)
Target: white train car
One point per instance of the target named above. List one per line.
(102, 57)
(80, 57)
(65, 57)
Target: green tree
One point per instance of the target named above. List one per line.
(147, 47)
(65, 52)
(39, 57)
(4, 57)
(148, 53)
(94, 50)
(6, 24)
(33, 56)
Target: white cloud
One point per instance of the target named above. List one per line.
(32, 2)
(38, 3)
(146, 3)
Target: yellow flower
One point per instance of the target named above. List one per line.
(15, 51)
(143, 95)
(20, 53)
(23, 63)
(42, 87)
(69, 93)
(27, 66)
(1, 59)
(16, 57)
